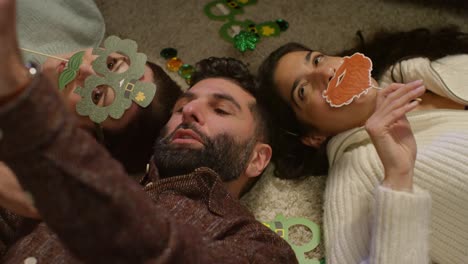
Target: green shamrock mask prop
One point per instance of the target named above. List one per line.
(125, 86)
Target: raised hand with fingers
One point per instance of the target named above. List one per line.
(391, 133)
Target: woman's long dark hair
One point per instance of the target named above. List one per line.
(133, 145)
(290, 156)
(386, 47)
(293, 159)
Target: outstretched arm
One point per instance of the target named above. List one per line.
(81, 192)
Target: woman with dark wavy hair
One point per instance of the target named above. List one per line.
(126, 138)
(376, 203)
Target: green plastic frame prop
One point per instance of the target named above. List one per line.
(280, 225)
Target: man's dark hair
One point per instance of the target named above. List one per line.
(236, 71)
(133, 144)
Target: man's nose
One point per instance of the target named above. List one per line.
(193, 111)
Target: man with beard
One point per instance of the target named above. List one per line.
(211, 149)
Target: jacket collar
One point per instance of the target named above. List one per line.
(202, 184)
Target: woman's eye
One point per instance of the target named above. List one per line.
(97, 95)
(317, 59)
(111, 64)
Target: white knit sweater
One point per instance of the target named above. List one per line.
(367, 223)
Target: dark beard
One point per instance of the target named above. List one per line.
(222, 154)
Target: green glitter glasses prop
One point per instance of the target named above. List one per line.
(244, 35)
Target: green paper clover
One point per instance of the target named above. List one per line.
(69, 73)
(281, 225)
(125, 85)
(245, 40)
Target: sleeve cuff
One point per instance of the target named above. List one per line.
(400, 228)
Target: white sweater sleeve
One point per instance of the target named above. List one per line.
(392, 228)
(366, 223)
(400, 227)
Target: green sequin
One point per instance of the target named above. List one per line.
(186, 71)
(283, 24)
(168, 53)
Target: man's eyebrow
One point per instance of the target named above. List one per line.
(296, 82)
(228, 98)
(186, 95)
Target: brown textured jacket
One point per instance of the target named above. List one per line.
(102, 215)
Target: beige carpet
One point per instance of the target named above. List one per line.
(322, 24)
(329, 26)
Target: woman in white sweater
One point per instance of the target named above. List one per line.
(378, 209)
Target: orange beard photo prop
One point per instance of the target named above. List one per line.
(351, 80)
